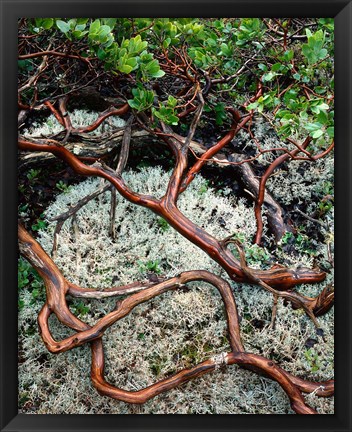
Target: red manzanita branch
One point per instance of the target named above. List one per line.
(281, 278)
(237, 124)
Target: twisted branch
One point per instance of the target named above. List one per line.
(57, 287)
(280, 278)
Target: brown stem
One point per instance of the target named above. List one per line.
(258, 207)
(236, 126)
(55, 54)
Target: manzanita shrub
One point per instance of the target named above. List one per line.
(253, 98)
(293, 61)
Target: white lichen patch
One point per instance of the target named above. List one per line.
(79, 118)
(302, 181)
(173, 331)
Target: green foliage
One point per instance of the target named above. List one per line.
(40, 224)
(157, 364)
(143, 99)
(43, 23)
(220, 113)
(24, 269)
(250, 31)
(125, 56)
(299, 240)
(74, 28)
(203, 188)
(257, 255)
(190, 355)
(219, 47)
(163, 224)
(166, 111)
(29, 279)
(33, 174)
(79, 308)
(25, 65)
(327, 201)
(313, 359)
(313, 50)
(62, 186)
(149, 267)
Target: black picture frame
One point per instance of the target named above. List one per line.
(10, 420)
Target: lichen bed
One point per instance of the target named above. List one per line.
(175, 330)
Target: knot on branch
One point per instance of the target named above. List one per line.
(324, 301)
(220, 360)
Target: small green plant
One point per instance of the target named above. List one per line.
(163, 224)
(62, 186)
(23, 398)
(204, 187)
(40, 224)
(23, 271)
(149, 267)
(38, 291)
(166, 111)
(190, 355)
(20, 304)
(300, 241)
(22, 209)
(325, 206)
(313, 359)
(80, 309)
(33, 174)
(313, 50)
(327, 201)
(157, 363)
(256, 254)
(142, 98)
(287, 237)
(29, 279)
(220, 113)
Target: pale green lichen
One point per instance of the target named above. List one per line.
(78, 118)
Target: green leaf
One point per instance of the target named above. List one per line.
(262, 67)
(82, 20)
(288, 55)
(322, 54)
(331, 131)
(47, 23)
(225, 49)
(171, 101)
(276, 67)
(252, 106)
(111, 22)
(311, 127)
(160, 73)
(104, 30)
(166, 42)
(94, 27)
(125, 68)
(63, 26)
(269, 76)
(72, 23)
(101, 54)
(317, 134)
